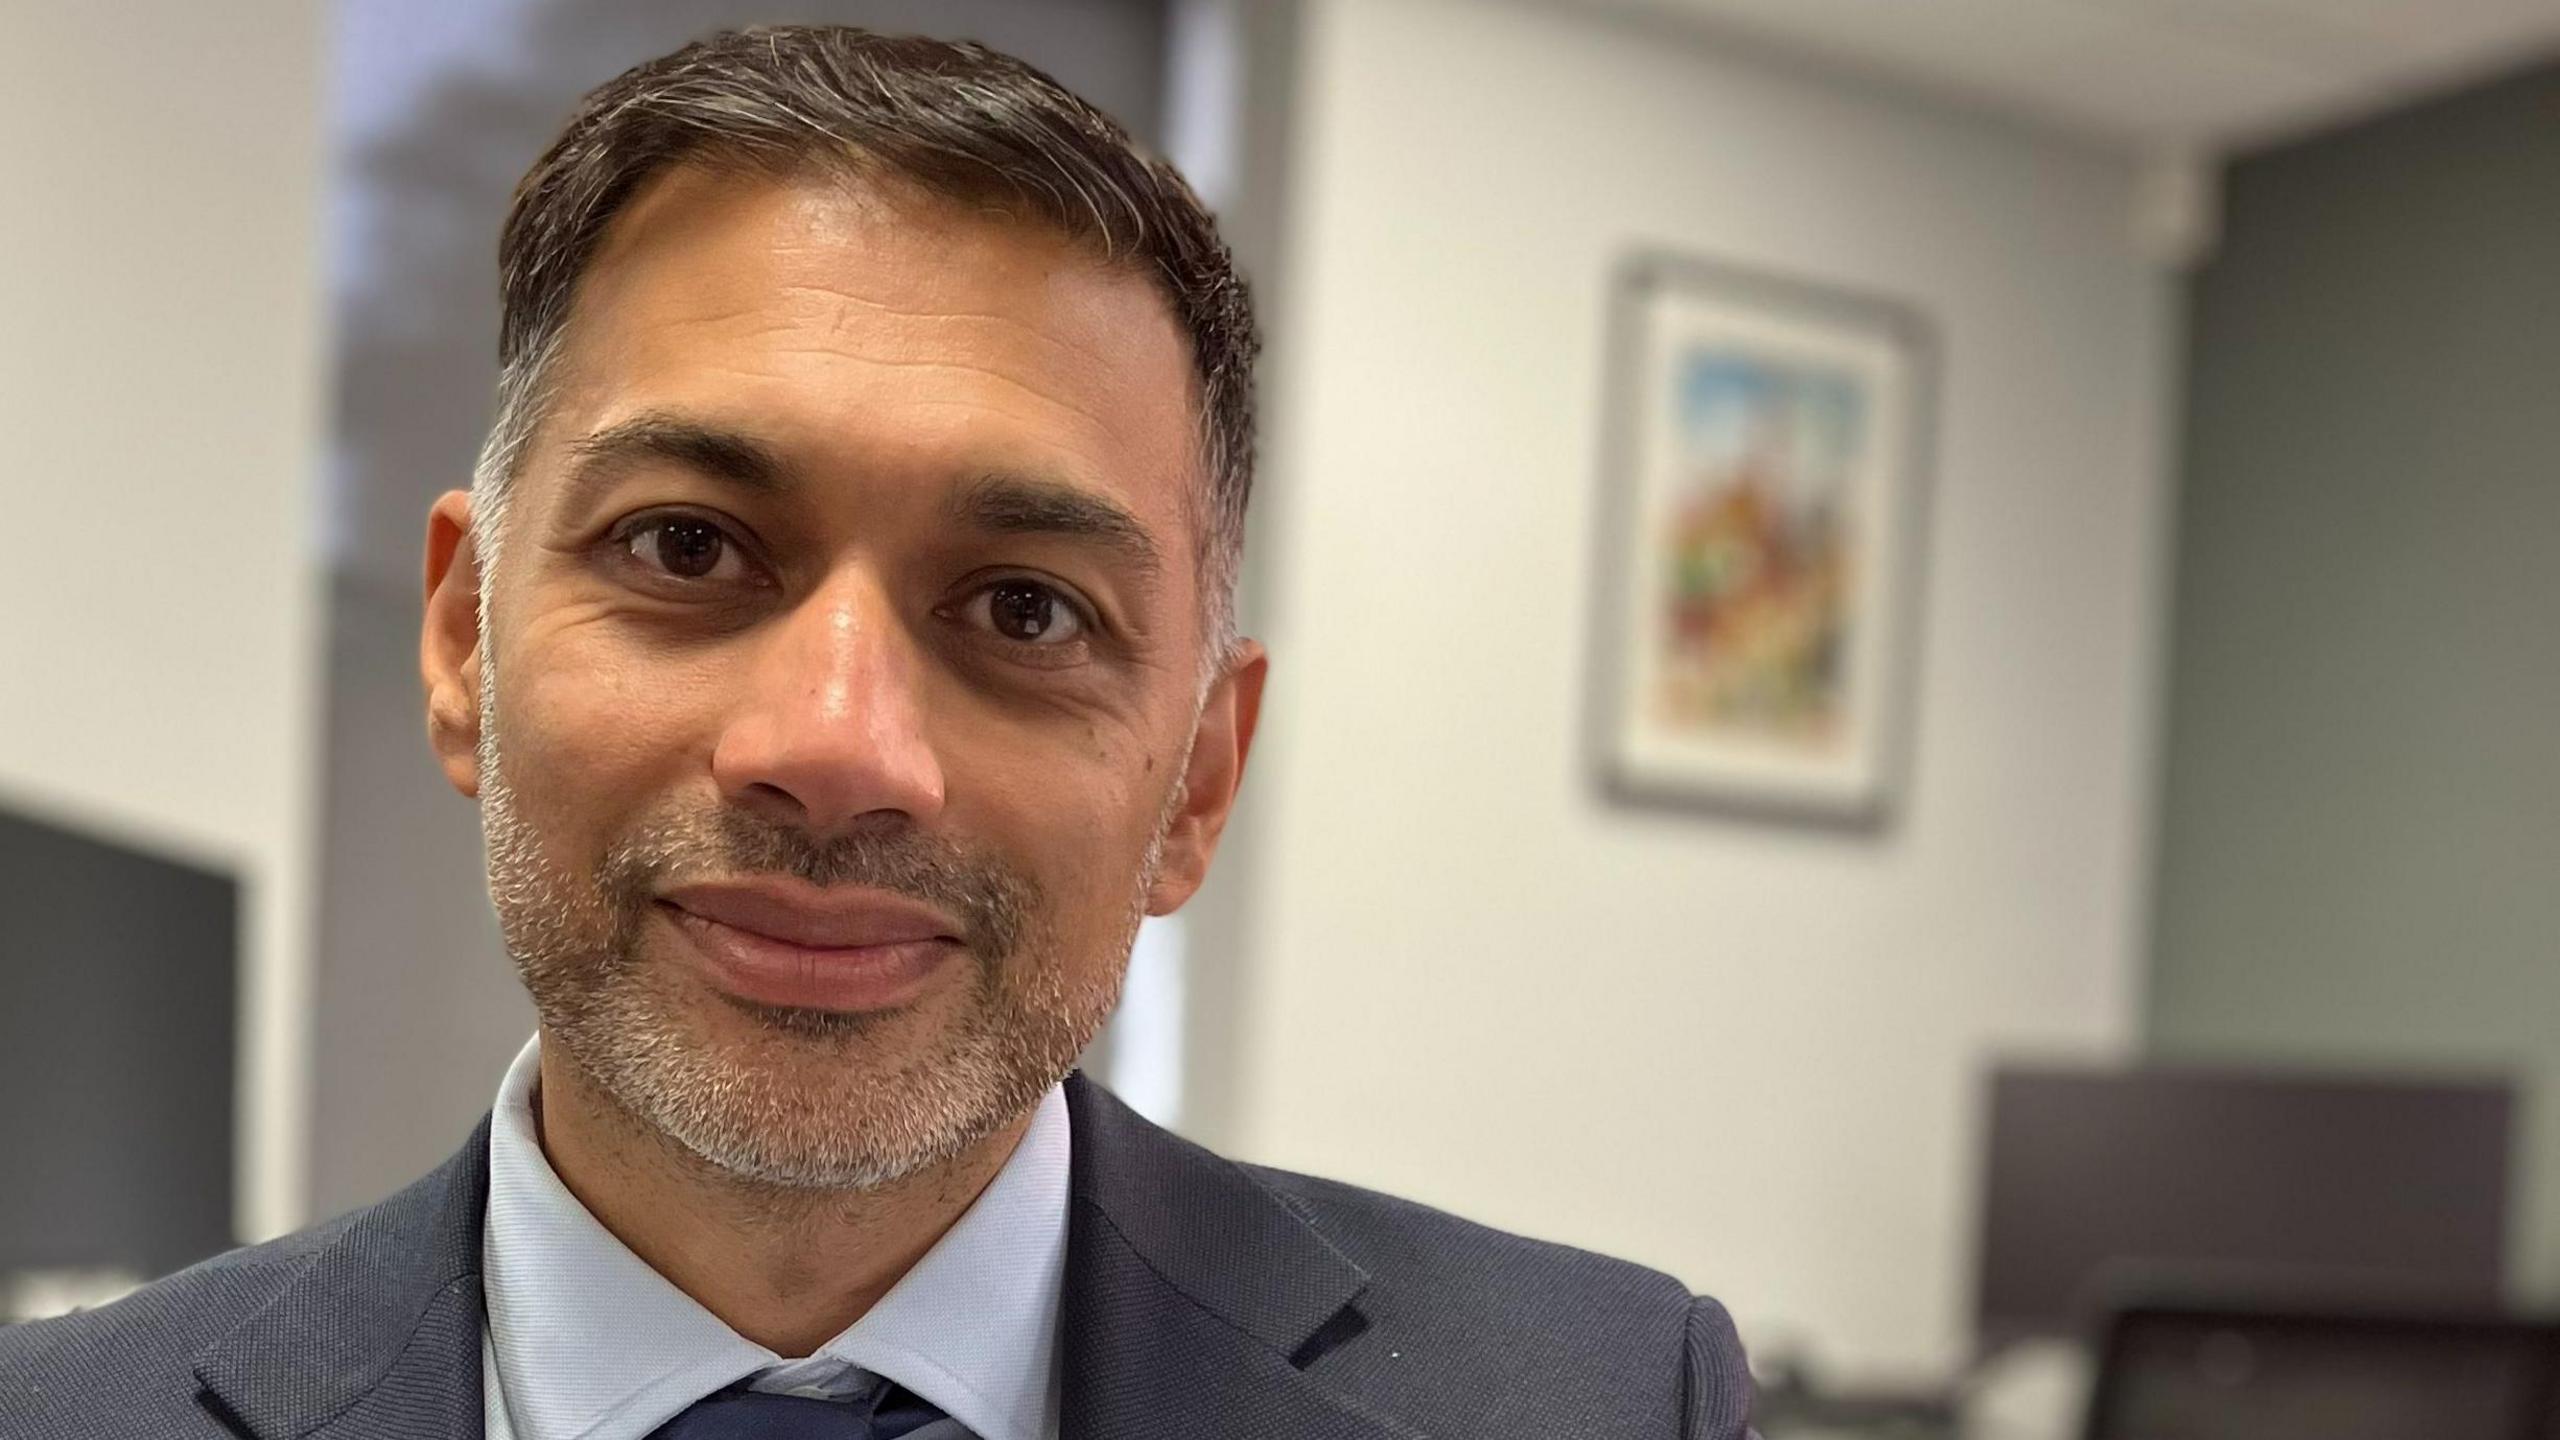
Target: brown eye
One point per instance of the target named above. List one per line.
(1027, 613)
(684, 547)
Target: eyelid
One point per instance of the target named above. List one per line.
(1088, 614)
(631, 524)
(1073, 654)
(619, 535)
(1094, 629)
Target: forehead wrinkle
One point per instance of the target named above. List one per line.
(964, 367)
(1090, 358)
(732, 314)
(1090, 354)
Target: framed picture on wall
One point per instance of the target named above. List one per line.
(1757, 575)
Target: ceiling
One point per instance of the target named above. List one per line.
(2205, 75)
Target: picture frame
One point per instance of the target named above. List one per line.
(1765, 471)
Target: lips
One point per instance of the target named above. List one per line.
(800, 947)
(815, 919)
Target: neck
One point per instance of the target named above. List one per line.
(787, 1269)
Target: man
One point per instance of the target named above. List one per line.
(838, 637)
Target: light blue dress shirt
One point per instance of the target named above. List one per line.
(586, 1342)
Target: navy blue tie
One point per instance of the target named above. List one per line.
(737, 1413)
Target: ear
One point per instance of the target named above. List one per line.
(1211, 780)
(449, 644)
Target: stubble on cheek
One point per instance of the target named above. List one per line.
(796, 1100)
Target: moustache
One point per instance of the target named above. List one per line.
(993, 900)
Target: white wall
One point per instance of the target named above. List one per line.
(161, 356)
(1741, 1052)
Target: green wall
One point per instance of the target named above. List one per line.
(2360, 846)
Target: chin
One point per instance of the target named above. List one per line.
(814, 1099)
(803, 1098)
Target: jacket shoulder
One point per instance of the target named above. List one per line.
(1506, 1330)
(1462, 1261)
(56, 1373)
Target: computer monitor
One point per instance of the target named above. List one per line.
(2235, 1373)
(118, 969)
(2279, 1183)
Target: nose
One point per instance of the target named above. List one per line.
(828, 729)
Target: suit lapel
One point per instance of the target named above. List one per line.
(1196, 1301)
(1195, 1298)
(379, 1335)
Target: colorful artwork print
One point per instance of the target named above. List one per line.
(1758, 547)
(1760, 550)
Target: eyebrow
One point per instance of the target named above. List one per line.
(717, 454)
(1008, 503)
(1002, 502)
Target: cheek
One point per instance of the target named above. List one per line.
(588, 730)
(1077, 817)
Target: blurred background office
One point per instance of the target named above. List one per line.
(2215, 717)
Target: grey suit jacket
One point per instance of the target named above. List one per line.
(1205, 1300)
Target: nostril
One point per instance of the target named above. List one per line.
(763, 795)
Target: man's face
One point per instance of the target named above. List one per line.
(836, 715)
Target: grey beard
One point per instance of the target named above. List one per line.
(857, 1122)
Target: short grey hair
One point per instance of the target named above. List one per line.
(952, 118)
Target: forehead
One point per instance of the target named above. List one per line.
(869, 327)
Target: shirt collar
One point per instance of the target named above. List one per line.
(592, 1343)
